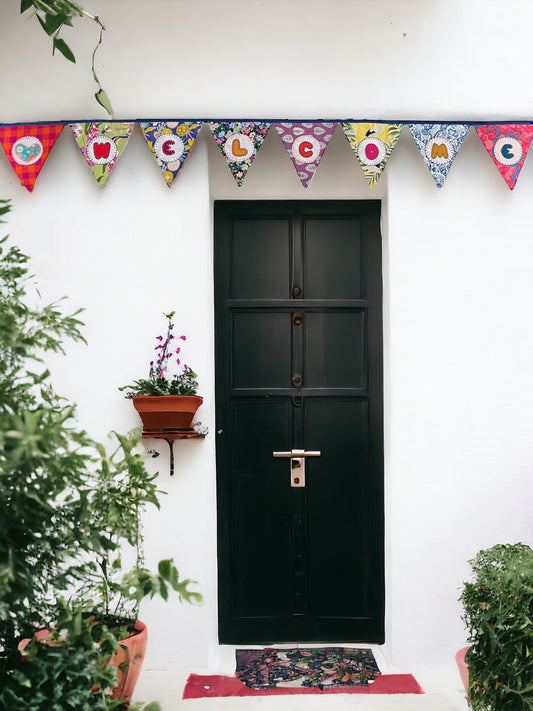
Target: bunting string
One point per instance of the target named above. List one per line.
(170, 141)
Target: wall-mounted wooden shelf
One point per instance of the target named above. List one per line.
(171, 434)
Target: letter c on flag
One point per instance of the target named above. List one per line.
(305, 149)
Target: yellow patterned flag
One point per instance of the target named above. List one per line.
(372, 143)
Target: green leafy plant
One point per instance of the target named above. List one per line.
(498, 613)
(68, 510)
(112, 509)
(159, 382)
(53, 15)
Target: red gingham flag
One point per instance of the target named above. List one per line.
(27, 148)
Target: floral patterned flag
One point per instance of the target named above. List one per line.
(305, 144)
(507, 145)
(27, 148)
(239, 141)
(170, 143)
(101, 145)
(439, 143)
(372, 143)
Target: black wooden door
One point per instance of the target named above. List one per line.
(298, 332)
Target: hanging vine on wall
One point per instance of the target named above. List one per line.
(53, 15)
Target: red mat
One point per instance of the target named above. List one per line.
(213, 685)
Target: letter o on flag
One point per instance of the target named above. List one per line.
(305, 149)
(371, 151)
(508, 150)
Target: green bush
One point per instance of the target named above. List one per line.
(67, 507)
(498, 613)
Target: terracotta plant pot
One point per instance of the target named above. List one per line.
(128, 661)
(161, 412)
(463, 666)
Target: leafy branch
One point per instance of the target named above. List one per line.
(53, 15)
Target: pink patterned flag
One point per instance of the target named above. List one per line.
(27, 148)
(101, 145)
(170, 143)
(305, 144)
(507, 145)
(239, 141)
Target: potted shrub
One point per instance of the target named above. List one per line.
(109, 591)
(67, 510)
(166, 401)
(107, 594)
(498, 613)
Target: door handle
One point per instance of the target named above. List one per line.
(297, 453)
(297, 464)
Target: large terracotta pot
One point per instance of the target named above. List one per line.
(161, 412)
(128, 661)
(463, 666)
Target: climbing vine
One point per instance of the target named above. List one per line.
(53, 16)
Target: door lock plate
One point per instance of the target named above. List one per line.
(297, 471)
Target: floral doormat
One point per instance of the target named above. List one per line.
(325, 667)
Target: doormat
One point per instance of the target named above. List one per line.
(314, 667)
(201, 686)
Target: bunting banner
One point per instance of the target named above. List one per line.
(305, 143)
(101, 145)
(239, 142)
(27, 147)
(372, 143)
(507, 145)
(170, 143)
(438, 143)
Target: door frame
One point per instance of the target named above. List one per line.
(375, 355)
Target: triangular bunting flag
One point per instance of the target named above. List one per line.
(305, 144)
(507, 144)
(27, 148)
(439, 143)
(101, 145)
(239, 141)
(372, 143)
(170, 143)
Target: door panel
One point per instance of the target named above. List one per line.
(261, 567)
(335, 349)
(261, 353)
(258, 248)
(299, 366)
(332, 265)
(338, 493)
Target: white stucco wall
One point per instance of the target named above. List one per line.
(458, 292)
